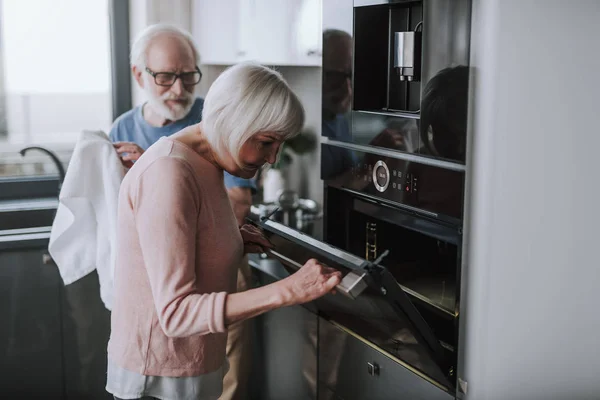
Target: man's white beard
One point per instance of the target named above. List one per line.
(174, 113)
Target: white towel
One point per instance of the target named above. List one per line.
(83, 236)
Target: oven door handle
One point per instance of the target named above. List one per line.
(352, 284)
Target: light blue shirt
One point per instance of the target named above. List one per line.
(132, 127)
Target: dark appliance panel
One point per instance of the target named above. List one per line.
(399, 80)
(430, 190)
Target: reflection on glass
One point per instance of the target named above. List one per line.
(336, 100)
(444, 114)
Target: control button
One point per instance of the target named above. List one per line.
(394, 185)
(381, 176)
(394, 172)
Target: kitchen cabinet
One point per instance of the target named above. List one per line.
(272, 32)
(31, 362)
(353, 370)
(53, 338)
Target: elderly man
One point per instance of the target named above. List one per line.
(164, 62)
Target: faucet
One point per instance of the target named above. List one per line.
(46, 257)
(54, 157)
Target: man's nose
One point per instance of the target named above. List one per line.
(177, 87)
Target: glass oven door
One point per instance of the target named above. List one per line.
(375, 306)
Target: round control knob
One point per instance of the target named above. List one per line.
(381, 176)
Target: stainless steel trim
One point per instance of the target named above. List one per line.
(379, 187)
(426, 300)
(352, 285)
(24, 237)
(362, 3)
(27, 205)
(396, 155)
(315, 243)
(392, 203)
(402, 114)
(24, 231)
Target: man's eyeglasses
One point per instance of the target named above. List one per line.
(168, 78)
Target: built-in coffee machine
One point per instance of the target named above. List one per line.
(395, 87)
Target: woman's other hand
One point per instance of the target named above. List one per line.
(310, 282)
(254, 240)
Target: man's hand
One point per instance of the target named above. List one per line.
(254, 240)
(134, 152)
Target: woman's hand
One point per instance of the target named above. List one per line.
(134, 152)
(310, 282)
(254, 240)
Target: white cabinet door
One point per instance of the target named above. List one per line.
(271, 39)
(271, 32)
(306, 32)
(216, 29)
(287, 32)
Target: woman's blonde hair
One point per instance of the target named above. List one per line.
(246, 99)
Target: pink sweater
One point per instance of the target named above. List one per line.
(178, 249)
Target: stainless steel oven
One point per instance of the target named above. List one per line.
(394, 100)
(396, 233)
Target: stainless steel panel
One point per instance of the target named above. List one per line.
(286, 361)
(352, 369)
(404, 49)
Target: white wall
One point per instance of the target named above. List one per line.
(532, 318)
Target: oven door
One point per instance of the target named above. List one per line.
(372, 303)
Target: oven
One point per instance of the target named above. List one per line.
(394, 102)
(393, 227)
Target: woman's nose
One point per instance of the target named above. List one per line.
(272, 156)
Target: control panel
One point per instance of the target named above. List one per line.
(383, 178)
(434, 189)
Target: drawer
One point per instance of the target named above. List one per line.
(353, 370)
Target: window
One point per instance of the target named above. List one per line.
(55, 79)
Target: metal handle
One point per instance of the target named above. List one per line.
(373, 368)
(352, 285)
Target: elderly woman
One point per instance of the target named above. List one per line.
(179, 243)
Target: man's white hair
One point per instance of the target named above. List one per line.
(246, 99)
(142, 43)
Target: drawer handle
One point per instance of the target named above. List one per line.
(373, 368)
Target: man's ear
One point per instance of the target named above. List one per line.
(137, 74)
